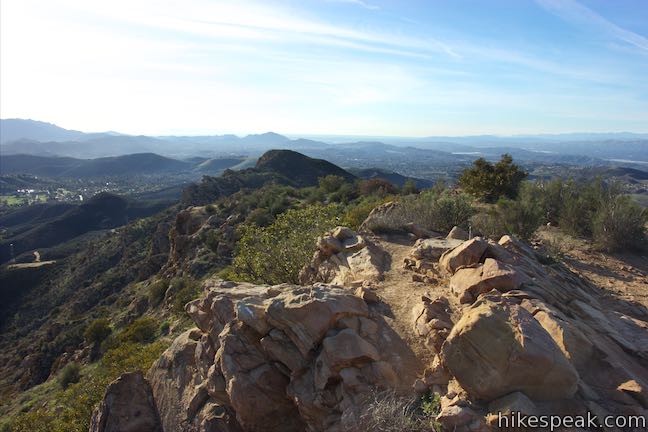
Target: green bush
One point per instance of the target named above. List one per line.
(490, 182)
(433, 210)
(523, 216)
(142, 330)
(357, 213)
(184, 290)
(345, 194)
(70, 374)
(449, 210)
(331, 183)
(488, 224)
(259, 217)
(580, 202)
(97, 331)
(619, 224)
(377, 186)
(276, 253)
(409, 188)
(157, 291)
(165, 327)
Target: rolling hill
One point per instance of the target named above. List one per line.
(285, 167)
(133, 164)
(51, 224)
(302, 170)
(392, 177)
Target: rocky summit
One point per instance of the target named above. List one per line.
(488, 328)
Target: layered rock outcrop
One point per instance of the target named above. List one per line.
(128, 406)
(530, 338)
(275, 358)
(344, 257)
(186, 241)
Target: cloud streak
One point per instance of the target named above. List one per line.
(572, 11)
(358, 3)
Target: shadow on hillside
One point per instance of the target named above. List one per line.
(597, 269)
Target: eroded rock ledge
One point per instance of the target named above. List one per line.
(275, 358)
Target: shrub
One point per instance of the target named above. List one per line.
(523, 216)
(519, 218)
(389, 412)
(377, 186)
(490, 182)
(156, 291)
(409, 188)
(488, 224)
(331, 183)
(357, 213)
(142, 330)
(345, 194)
(580, 202)
(70, 374)
(433, 210)
(184, 290)
(276, 253)
(620, 224)
(449, 210)
(97, 331)
(165, 327)
(259, 217)
(210, 209)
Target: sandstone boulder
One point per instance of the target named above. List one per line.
(306, 314)
(256, 387)
(498, 348)
(432, 249)
(468, 282)
(467, 254)
(432, 321)
(127, 406)
(516, 402)
(279, 358)
(458, 234)
(377, 216)
(419, 232)
(345, 258)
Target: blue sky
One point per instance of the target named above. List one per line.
(349, 67)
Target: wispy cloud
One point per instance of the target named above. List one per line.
(253, 20)
(358, 3)
(572, 11)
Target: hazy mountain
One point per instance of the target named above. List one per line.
(392, 153)
(16, 129)
(133, 164)
(47, 166)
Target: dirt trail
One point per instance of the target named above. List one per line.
(400, 294)
(622, 281)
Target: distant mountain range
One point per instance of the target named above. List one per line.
(18, 136)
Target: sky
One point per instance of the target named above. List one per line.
(342, 67)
